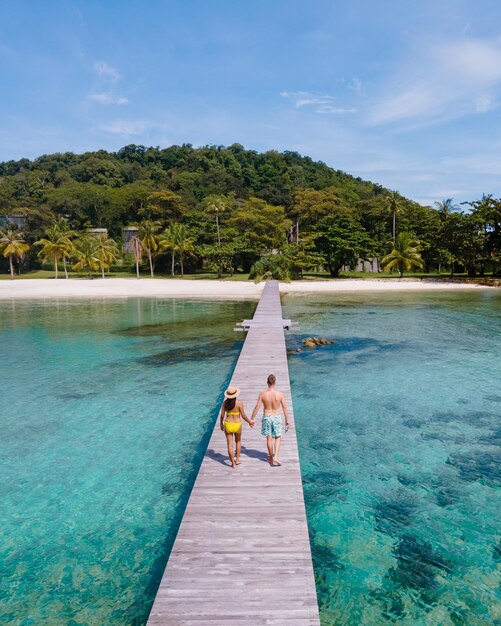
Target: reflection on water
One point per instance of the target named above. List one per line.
(399, 425)
(105, 409)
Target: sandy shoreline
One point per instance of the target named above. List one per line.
(209, 289)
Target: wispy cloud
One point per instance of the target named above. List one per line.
(303, 98)
(448, 81)
(357, 86)
(103, 91)
(127, 127)
(104, 70)
(472, 61)
(320, 103)
(328, 108)
(107, 97)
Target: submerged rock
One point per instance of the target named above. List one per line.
(313, 342)
(417, 563)
(392, 514)
(478, 465)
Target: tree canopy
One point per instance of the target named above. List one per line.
(238, 205)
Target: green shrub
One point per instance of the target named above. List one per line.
(275, 267)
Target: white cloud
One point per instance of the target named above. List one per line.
(303, 98)
(105, 70)
(127, 127)
(107, 97)
(329, 108)
(321, 103)
(447, 81)
(418, 100)
(472, 61)
(478, 163)
(485, 103)
(357, 86)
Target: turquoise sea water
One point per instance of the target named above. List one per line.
(399, 426)
(105, 408)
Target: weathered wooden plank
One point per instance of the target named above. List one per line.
(242, 554)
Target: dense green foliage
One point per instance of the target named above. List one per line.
(405, 256)
(226, 208)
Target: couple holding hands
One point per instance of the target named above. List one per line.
(232, 413)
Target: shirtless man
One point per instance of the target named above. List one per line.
(271, 427)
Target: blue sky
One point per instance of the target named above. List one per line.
(400, 92)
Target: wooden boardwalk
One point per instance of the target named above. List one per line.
(242, 554)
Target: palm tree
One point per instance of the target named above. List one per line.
(168, 242)
(150, 240)
(394, 210)
(68, 235)
(12, 245)
(217, 207)
(55, 246)
(107, 251)
(446, 207)
(177, 239)
(137, 250)
(185, 244)
(87, 254)
(404, 256)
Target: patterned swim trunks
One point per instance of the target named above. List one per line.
(271, 426)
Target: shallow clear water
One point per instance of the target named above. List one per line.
(105, 408)
(399, 426)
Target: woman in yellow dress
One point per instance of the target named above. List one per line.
(232, 412)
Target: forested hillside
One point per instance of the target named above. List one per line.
(258, 202)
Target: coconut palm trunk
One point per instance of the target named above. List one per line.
(55, 267)
(173, 263)
(11, 267)
(65, 268)
(150, 259)
(182, 265)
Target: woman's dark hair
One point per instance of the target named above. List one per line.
(229, 403)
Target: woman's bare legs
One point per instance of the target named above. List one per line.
(229, 441)
(238, 446)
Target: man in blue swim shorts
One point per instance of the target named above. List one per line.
(271, 427)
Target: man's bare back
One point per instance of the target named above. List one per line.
(272, 400)
(271, 428)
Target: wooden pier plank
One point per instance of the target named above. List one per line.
(242, 554)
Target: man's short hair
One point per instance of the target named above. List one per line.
(271, 380)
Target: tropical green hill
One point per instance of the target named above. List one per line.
(109, 189)
(262, 201)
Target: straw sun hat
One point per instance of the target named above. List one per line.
(231, 392)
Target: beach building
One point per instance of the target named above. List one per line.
(98, 232)
(364, 265)
(17, 221)
(127, 235)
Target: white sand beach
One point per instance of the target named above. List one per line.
(207, 289)
(376, 284)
